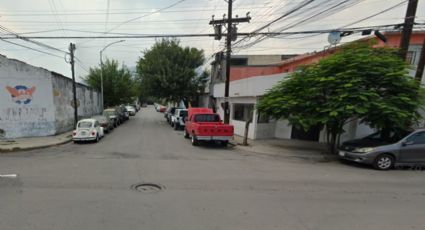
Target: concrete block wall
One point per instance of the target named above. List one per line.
(26, 103)
(88, 102)
(37, 102)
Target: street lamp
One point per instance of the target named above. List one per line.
(101, 68)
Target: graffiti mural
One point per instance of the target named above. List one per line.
(21, 94)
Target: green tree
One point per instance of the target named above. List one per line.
(168, 71)
(118, 85)
(357, 82)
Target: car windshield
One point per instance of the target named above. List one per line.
(183, 113)
(100, 119)
(391, 137)
(85, 124)
(110, 113)
(207, 118)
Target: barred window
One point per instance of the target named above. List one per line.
(242, 112)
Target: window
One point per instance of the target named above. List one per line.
(417, 138)
(239, 61)
(262, 118)
(410, 57)
(207, 118)
(242, 112)
(390, 137)
(183, 113)
(84, 124)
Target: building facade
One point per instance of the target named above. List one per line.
(249, 83)
(38, 102)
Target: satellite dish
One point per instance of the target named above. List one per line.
(334, 37)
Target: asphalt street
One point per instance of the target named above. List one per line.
(89, 186)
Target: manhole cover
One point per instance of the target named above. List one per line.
(147, 187)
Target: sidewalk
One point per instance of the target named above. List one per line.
(307, 150)
(19, 144)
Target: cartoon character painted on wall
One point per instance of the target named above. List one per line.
(21, 94)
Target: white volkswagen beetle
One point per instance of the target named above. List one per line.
(87, 130)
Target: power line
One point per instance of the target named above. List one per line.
(376, 14)
(53, 9)
(295, 9)
(80, 63)
(17, 36)
(356, 29)
(107, 14)
(360, 20)
(146, 15)
(37, 50)
(149, 10)
(327, 10)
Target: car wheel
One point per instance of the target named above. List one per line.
(185, 134)
(194, 141)
(224, 143)
(384, 162)
(97, 138)
(176, 126)
(75, 142)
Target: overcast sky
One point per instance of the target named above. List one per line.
(93, 17)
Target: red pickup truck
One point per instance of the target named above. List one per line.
(203, 124)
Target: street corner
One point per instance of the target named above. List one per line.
(23, 144)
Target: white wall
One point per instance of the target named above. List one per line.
(283, 129)
(256, 86)
(265, 130)
(253, 86)
(33, 114)
(48, 110)
(239, 126)
(246, 91)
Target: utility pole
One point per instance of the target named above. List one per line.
(420, 68)
(231, 36)
(74, 87)
(409, 21)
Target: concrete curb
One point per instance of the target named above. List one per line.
(19, 149)
(318, 158)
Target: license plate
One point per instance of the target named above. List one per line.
(83, 133)
(342, 153)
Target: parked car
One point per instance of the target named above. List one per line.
(203, 124)
(131, 110)
(145, 105)
(168, 113)
(126, 113)
(105, 121)
(383, 153)
(136, 106)
(113, 115)
(178, 118)
(123, 114)
(162, 109)
(87, 130)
